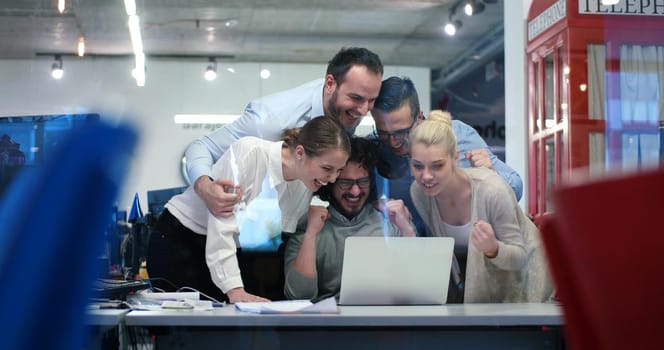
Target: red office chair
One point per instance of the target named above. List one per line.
(605, 244)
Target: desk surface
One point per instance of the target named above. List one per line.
(363, 316)
(105, 317)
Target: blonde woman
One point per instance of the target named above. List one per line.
(498, 257)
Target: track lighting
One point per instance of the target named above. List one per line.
(81, 47)
(56, 69)
(452, 26)
(470, 8)
(473, 7)
(211, 70)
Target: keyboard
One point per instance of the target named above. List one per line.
(116, 289)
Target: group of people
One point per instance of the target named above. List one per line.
(412, 177)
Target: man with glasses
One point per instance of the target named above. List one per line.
(346, 93)
(396, 111)
(314, 255)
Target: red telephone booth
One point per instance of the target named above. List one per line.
(595, 91)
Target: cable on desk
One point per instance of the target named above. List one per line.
(219, 303)
(156, 279)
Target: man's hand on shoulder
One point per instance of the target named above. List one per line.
(479, 158)
(219, 195)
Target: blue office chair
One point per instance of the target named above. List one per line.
(52, 222)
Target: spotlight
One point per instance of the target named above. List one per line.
(473, 7)
(211, 70)
(452, 26)
(56, 69)
(81, 46)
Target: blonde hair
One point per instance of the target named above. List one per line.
(436, 129)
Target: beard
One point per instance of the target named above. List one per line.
(402, 150)
(350, 210)
(333, 110)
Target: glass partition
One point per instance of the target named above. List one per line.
(549, 91)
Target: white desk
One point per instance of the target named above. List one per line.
(524, 326)
(105, 317)
(105, 324)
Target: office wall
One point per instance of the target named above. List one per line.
(479, 101)
(105, 86)
(516, 136)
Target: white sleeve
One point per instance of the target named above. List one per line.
(220, 252)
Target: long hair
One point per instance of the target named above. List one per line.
(317, 136)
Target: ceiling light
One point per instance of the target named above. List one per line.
(81, 46)
(451, 27)
(204, 118)
(61, 6)
(610, 2)
(135, 34)
(473, 7)
(130, 7)
(56, 69)
(231, 69)
(265, 73)
(211, 70)
(139, 69)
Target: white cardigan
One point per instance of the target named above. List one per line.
(518, 273)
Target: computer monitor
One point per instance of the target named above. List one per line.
(158, 198)
(29, 141)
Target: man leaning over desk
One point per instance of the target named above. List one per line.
(346, 93)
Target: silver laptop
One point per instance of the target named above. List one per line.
(396, 270)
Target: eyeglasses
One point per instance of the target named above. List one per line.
(347, 184)
(399, 135)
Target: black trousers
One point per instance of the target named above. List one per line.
(177, 254)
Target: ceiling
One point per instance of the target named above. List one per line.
(402, 32)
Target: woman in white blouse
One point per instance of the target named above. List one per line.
(497, 249)
(191, 247)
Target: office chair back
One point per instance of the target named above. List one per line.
(605, 244)
(53, 220)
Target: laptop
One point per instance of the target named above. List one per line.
(396, 270)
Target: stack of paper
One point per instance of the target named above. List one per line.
(325, 306)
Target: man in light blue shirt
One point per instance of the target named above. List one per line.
(395, 112)
(346, 93)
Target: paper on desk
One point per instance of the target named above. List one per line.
(325, 306)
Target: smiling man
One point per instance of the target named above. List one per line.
(314, 255)
(346, 93)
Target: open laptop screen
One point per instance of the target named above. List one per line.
(396, 270)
